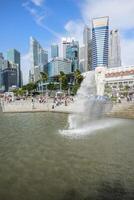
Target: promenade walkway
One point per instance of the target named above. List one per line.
(121, 110)
(29, 106)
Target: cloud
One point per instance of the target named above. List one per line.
(39, 15)
(121, 15)
(119, 11)
(75, 29)
(127, 51)
(37, 2)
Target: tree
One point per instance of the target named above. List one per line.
(78, 78)
(51, 86)
(43, 78)
(75, 88)
(63, 81)
(30, 87)
(19, 91)
(108, 89)
(126, 89)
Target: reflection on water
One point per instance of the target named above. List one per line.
(37, 163)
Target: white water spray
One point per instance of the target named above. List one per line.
(88, 106)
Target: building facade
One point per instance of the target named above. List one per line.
(13, 56)
(87, 48)
(57, 65)
(100, 42)
(65, 43)
(121, 76)
(9, 77)
(54, 51)
(72, 53)
(114, 49)
(2, 64)
(38, 58)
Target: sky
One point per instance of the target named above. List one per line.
(49, 20)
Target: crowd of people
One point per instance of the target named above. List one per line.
(56, 101)
(62, 100)
(128, 98)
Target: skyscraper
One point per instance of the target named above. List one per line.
(87, 48)
(100, 42)
(65, 43)
(54, 51)
(72, 53)
(57, 65)
(38, 58)
(114, 49)
(9, 78)
(13, 56)
(2, 63)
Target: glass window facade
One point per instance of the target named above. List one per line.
(54, 51)
(100, 41)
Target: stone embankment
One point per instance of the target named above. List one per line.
(122, 110)
(28, 106)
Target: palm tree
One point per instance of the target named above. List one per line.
(78, 78)
(63, 80)
(43, 78)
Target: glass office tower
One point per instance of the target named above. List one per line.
(100, 42)
(72, 53)
(38, 58)
(54, 51)
(114, 49)
(13, 56)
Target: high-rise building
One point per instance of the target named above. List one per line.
(87, 48)
(72, 53)
(57, 65)
(38, 58)
(54, 51)
(13, 56)
(65, 43)
(114, 49)
(2, 63)
(9, 76)
(100, 42)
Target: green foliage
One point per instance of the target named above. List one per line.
(75, 88)
(108, 89)
(30, 87)
(121, 86)
(19, 92)
(63, 80)
(43, 76)
(127, 88)
(114, 99)
(78, 77)
(51, 86)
